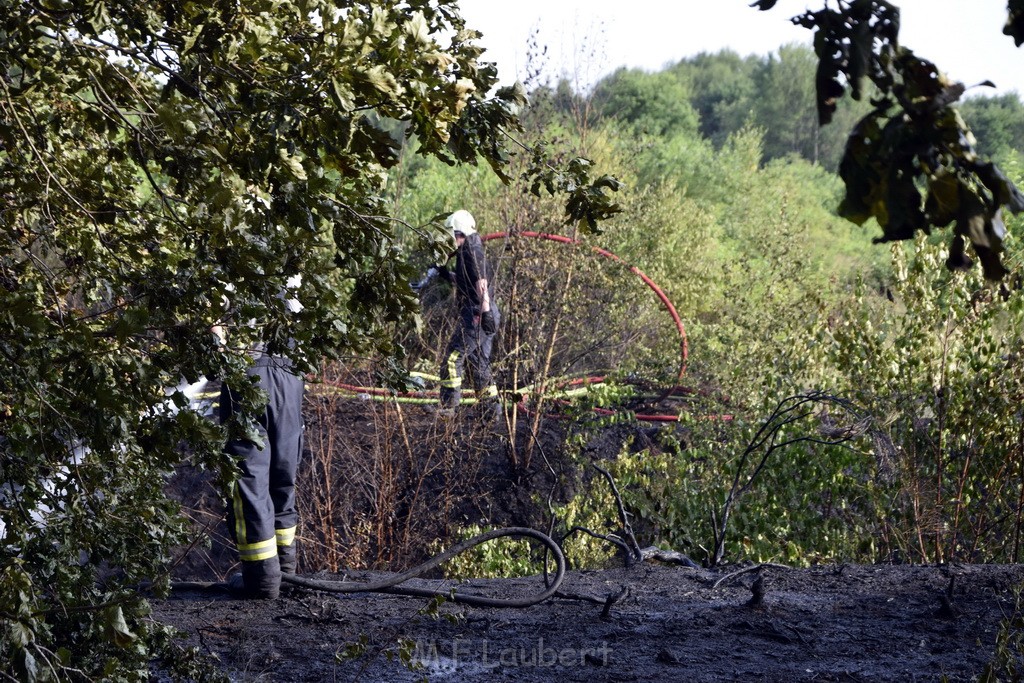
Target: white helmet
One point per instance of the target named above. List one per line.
(461, 221)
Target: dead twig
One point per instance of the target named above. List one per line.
(746, 570)
(611, 600)
(773, 436)
(608, 538)
(579, 597)
(607, 601)
(629, 545)
(757, 590)
(947, 609)
(633, 552)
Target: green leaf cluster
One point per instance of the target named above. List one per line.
(168, 168)
(911, 162)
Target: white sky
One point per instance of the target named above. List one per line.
(962, 37)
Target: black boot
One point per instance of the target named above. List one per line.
(288, 558)
(257, 581)
(490, 412)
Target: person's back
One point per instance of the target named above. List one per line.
(471, 266)
(473, 339)
(262, 516)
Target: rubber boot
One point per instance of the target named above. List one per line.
(448, 403)
(287, 558)
(258, 580)
(490, 412)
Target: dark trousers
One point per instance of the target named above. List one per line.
(470, 346)
(262, 516)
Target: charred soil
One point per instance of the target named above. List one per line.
(645, 622)
(834, 623)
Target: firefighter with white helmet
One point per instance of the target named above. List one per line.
(473, 339)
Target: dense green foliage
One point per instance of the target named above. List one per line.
(168, 167)
(998, 124)
(936, 366)
(722, 93)
(909, 162)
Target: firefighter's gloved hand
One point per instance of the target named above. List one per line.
(448, 275)
(487, 322)
(432, 272)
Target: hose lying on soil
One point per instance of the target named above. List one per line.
(391, 584)
(424, 397)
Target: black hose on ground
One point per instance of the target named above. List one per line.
(391, 584)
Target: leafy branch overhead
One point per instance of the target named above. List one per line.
(171, 166)
(589, 201)
(910, 163)
(1015, 21)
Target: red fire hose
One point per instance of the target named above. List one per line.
(683, 346)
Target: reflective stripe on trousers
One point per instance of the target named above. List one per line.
(470, 346)
(262, 515)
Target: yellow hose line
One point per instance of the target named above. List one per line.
(423, 375)
(326, 388)
(469, 400)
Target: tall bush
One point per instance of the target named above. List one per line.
(940, 355)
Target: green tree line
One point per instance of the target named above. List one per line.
(720, 93)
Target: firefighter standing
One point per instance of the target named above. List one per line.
(261, 512)
(473, 338)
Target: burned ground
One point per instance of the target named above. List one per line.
(825, 623)
(830, 623)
